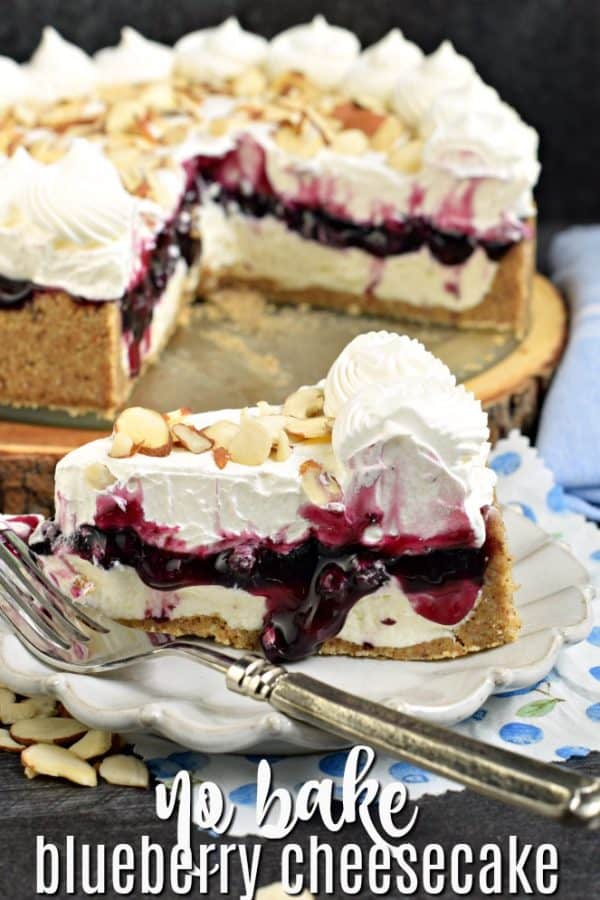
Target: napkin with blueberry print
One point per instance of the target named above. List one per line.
(555, 719)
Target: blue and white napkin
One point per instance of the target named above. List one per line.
(569, 433)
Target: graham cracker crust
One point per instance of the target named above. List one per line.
(60, 353)
(493, 622)
(504, 307)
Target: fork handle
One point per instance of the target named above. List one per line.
(546, 789)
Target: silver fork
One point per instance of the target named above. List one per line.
(66, 637)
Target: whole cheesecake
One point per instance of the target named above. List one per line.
(386, 181)
(356, 518)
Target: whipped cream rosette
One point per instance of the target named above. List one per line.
(373, 76)
(134, 60)
(216, 55)
(59, 70)
(320, 51)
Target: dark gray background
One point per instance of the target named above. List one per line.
(542, 55)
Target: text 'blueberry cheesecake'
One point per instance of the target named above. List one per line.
(356, 518)
(385, 181)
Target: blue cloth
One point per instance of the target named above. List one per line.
(569, 434)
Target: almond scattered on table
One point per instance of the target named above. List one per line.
(50, 730)
(57, 762)
(126, 771)
(93, 744)
(19, 710)
(8, 743)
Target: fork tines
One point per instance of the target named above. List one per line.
(48, 610)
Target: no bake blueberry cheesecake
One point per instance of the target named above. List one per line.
(356, 518)
(385, 180)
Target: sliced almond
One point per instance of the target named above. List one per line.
(126, 771)
(249, 84)
(267, 409)
(389, 133)
(303, 143)
(407, 157)
(221, 433)
(122, 446)
(8, 743)
(191, 438)
(275, 424)
(93, 744)
(307, 429)
(57, 762)
(10, 713)
(124, 116)
(50, 730)
(98, 476)
(147, 429)
(282, 447)
(6, 697)
(276, 892)
(304, 403)
(353, 116)
(320, 487)
(252, 444)
(177, 415)
(221, 457)
(351, 142)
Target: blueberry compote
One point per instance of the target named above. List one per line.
(15, 293)
(309, 587)
(173, 243)
(239, 180)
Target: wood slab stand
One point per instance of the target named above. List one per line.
(510, 390)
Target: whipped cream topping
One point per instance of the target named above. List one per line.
(417, 88)
(375, 73)
(69, 225)
(59, 70)
(322, 52)
(134, 60)
(13, 82)
(188, 494)
(215, 55)
(410, 444)
(419, 448)
(379, 357)
(483, 143)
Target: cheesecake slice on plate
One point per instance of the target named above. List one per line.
(356, 518)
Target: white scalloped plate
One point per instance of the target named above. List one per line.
(189, 704)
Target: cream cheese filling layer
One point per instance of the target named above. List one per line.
(121, 594)
(234, 244)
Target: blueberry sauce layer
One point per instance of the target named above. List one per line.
(172, 243)
(309, 588)
(239, 182)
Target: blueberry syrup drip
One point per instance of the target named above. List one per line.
(236, 184)
(173, 243)
(309, 588)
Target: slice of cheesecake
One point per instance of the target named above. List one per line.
(357, 518)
